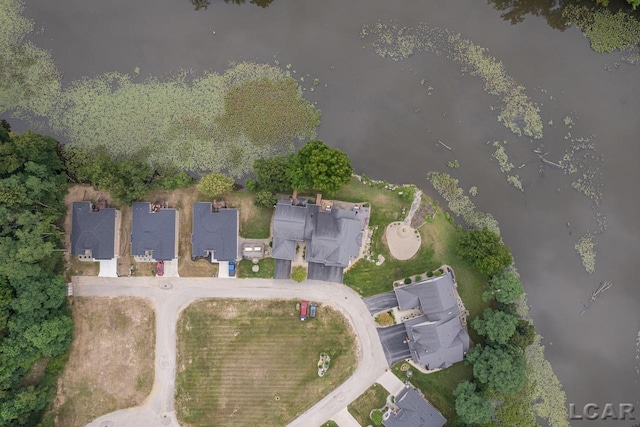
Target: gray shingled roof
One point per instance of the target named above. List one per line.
(434, 296)
(415, 411)
(93, 231)
(436, 344)
(153, 231)
(333, 237)
(215, 232)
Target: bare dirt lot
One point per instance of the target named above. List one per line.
(244, 363)
(111, 361)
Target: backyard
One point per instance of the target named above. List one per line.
(255, 221)
(111, 336)
(244, 362)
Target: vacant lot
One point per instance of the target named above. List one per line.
(374, 398)
(246, 363)
(111, 361)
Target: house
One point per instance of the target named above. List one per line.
(93, 232)
(437, 338)
(410, 409)
(333, 236)
(215, 233)
(154, 233)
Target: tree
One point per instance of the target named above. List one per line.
(471, 406)
(484, 249)
(298, 274)
(497, 326)
(319, 167)
(498, 368)
(524, 335)
(264, 199)
(272, 173)
(215, 184)
(504, 286)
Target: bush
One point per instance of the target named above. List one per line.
(429, 273)
(439, 272)
(250, 184)
(407, 281)
(376, 417)
(298, 274)
(265, 199)
(418, 278)
(215, 184)
(173, 182)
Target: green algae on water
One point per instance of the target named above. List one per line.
(607, 31)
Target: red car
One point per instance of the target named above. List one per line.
(160, 268)
(303, 310)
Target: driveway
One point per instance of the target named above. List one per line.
(108, 268)
(381, 302)
(327, 274)
(283, 269)
(171, 295)
(392, 339)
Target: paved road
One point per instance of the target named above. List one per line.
(381, 302)
(392, 339)
(171, 295)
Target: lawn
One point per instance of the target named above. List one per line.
(267, 269)
(244, 362)
(438, 387)
(111, 361)
(374, 398)
(255, 221)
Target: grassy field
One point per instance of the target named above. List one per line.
(111, 361)
(255, 222)
(438, 387)
(267, 268)
(246, 362)
(374, 398)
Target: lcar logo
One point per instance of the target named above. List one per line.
(610, 411)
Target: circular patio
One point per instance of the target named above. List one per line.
(403, 240)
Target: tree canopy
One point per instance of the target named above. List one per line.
(504, 286)
(497, 326)
(319, 167)
(215, 184)
(471, 406)
(34, 322)
(498, 368)
(272, 173)
(484, 249)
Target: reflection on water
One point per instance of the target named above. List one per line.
(204, 4)
(515, 10)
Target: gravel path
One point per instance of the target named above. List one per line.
(171, 295)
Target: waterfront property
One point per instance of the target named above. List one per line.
(154, 232)
(333, 238)
(94, 235)
(411, 409)
(215, 236)
(437, 335)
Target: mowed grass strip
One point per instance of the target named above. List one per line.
(245, 363)
(375, 397)
(111, 361)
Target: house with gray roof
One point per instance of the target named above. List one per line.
(94, 232)
(411, 409)
(154, 233)
(437, 339)
(332, 236)
(215, 233)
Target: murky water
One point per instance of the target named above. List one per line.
(378, 111)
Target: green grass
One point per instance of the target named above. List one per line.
(267, 268)
(330, 423)
(244, 362)
(438, 387)
(255, 221)
(374, 398)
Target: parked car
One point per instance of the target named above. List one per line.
(160, 268)
(232, 269)
(303, 310)
(312, 310)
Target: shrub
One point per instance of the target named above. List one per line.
(429, 273)
(439, 272)
(407, 281)
(250, 184)
(265, 199)
(418, 278)
(298, 274)
(215, 184)
(173, 182)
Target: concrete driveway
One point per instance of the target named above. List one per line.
(171, 295)
(381, 302)
(392, 339)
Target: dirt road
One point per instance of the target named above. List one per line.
(171, 295)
